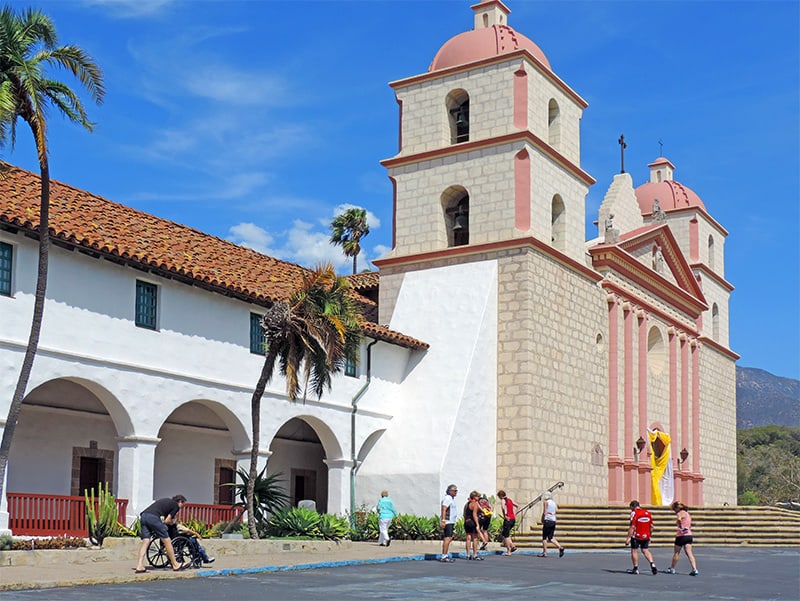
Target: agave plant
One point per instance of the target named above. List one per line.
(296, 521)
(333, 527)
(404, 527)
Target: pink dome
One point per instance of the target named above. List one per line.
(486, 42)
(670, 194)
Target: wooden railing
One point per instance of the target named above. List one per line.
(50, 515)
(210, 514)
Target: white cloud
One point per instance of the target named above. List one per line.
(252, 236)
(127, 9)
(300, 244)
(373, 221)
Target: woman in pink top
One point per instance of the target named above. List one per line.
(683, 538)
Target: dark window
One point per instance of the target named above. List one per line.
(350, 369)
(6, 255)
(258, 345)
(146, 305)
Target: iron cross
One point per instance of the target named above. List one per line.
(622, 147)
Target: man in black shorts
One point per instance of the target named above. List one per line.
(154, 521)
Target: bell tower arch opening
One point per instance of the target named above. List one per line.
(455, 207)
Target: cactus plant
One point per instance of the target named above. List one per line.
(101, 516)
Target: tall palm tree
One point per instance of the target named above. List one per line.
(347, 229)
(28, 47)
(309, 338)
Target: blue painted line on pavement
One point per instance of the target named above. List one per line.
(355, 562)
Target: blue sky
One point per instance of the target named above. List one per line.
(256, 121)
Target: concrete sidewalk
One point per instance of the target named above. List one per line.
(115, 562)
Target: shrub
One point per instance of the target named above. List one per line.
(297, 521)
(427, 528)
(54, 542)
(6, 542)
(217, 530)
(332, 527)
(200, 527)
(748, 497)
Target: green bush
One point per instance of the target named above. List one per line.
(6, 542)
(297, 521)
(748, 497)
(333, 527)
(54, 542)
(238, 528)
(404, 527)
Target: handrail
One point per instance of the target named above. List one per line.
(521, 512)
(35, 514)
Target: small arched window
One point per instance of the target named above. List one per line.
(553, 124)
(457, 104)
(455, 202)
(656, 353)
(715, 322)
(558, 223)
(711, 251)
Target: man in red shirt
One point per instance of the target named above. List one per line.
(639, 534)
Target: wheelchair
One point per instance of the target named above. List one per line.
(185, 547)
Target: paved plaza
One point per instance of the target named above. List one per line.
(725, 574)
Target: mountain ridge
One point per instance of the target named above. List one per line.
(763, 398)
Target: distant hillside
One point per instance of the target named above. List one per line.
(763, 399)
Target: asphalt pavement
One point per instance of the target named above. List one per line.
(410, 571)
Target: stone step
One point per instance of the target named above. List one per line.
(604, 527)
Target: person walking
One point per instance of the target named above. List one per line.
(449, 511)
(484, 520)
(152, 525)
(639, 535)
(509, 519)
(683, 538)
(549, 525)
(386, 513)
(471, 521)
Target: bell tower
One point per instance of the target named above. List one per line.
(489, 147)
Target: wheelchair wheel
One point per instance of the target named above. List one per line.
(183, 553)
(157, 554)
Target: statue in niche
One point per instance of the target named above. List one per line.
(658, 260)
(610, 222)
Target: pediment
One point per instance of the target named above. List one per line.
(651, 255)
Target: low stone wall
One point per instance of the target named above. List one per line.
(115, 549)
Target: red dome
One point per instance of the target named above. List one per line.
(670, 194)
(486, 42)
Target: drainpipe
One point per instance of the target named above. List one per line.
(354, 403)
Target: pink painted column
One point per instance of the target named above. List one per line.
(643, 460)
(694, 240)
(631, 481)
(697, 493)
(615, 470)
(685, 492)
(521, 97)
(522, 191)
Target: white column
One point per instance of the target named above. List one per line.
(135, 469)
(338, 485)
(242, 457)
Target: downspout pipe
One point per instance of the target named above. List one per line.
(353, 454)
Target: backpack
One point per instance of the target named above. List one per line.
(485, 506)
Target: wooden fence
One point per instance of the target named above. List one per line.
(32, 514)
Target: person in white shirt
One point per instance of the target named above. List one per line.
(549, 525)
(449, 513)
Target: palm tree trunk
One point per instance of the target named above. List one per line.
(255, 410)
(355, 259)
(36, 321)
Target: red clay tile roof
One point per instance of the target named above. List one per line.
(105, 228)
(365, 280)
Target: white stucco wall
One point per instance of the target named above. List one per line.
(446, 430)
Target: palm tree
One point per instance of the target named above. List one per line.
(347, 230)
(28, 46)
(310, 337)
